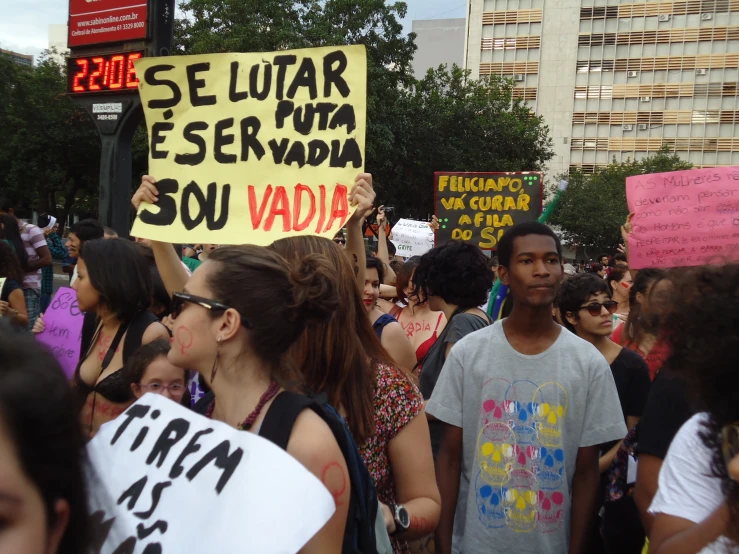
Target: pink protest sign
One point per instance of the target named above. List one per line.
(684, 218)
(63, 329)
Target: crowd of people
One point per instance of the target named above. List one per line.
(600, 414)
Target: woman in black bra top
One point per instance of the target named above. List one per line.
(114, 289)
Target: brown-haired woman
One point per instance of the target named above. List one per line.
(241, 311)
(641, 330)
(620, 283)
(344, 359)
(12, 301)
(421, 324)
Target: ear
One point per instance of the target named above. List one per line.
(136, 390)
(56, 532)
(230, 324)
(639, 298)
(503, 275)
(571, 319)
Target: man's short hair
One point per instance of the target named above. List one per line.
(505, 246)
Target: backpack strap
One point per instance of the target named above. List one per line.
(280, 418)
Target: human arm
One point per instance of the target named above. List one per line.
(173, 273)
(388, 291)
(448, 474)
(362, 195)
(17, 308)
(398, 346)
(44, 258)
(606, 459)
(382, 252)
(313, 444)
(413, 474)
(155, 331)
(647, 478)
(585, 483)
(676, 535)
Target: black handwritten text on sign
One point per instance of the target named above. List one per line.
(478, 207)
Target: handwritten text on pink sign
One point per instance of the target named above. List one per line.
(63, 328)
(684, 218)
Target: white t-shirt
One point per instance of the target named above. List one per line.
(687, 486)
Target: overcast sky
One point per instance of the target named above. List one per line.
(24, 26)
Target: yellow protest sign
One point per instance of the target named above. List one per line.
(250, 148)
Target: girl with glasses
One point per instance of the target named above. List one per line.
(149, 370)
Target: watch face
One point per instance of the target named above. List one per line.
(403, 517)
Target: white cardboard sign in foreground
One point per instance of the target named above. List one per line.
(164, 480)
(412, 238)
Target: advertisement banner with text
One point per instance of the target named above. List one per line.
(479, 207)
(251, 148)
(101, 21)
(684, 218)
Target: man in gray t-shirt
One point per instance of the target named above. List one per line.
(526, 405)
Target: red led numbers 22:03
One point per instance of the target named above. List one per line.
(103, 73)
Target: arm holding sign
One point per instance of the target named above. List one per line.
(168, 263)
(382, 252)
(313, 444)
(362, 196)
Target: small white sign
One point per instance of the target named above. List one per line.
(164, 479)
(108, 107)
(412, 238)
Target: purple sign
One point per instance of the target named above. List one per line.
(63, 329)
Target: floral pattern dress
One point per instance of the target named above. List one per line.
(397, 402)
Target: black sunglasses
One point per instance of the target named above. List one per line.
(595, 308)
(340, 241)
(179, 299)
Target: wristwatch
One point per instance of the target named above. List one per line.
(401, 517)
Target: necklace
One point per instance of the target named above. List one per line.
(268, 395)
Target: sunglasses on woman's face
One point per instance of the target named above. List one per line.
(179, 299)
(596, 308)
(341, 242)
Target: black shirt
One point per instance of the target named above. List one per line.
(666, 411)
(631, 374)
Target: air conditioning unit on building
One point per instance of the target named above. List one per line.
(643, 126)
(646, 98)
(627, 127)
(701, 71)
(664, 17)
(706, 16)
(632, 73)
(519, 77)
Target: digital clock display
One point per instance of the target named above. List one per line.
(103, 73)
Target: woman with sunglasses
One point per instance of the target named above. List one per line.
(696, 508)
(115, 297)
(586, 307)
(240, 313)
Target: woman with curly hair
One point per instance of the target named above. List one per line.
(696, 508)
(454, 279)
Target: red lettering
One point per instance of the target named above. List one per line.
(280, 206)
(322, 204)
(298, 204)
(257, 214)
(339, 207)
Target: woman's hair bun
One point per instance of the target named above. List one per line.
(315, 290)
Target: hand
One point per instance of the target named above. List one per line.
(39, 326)
(47, 232)
(624, 249)
(389, 518)
(362, 196)
(434, 223)
(381, 219)
(626, 228)
(147, 192)
(4, 308)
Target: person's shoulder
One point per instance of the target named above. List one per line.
(631, 360)
(389, 378)
(582, 352)
(479, 337)
(688, 437)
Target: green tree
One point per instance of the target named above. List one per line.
(449, 122)
(50, 154)
(593, 207)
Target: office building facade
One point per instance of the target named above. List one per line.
(15, 57)
(615, 79)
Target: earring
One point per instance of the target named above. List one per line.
(215, 361)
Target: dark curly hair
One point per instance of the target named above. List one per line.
(505, 246)
(575, 291)
(457, 272)
(702, 331)
(617, 274)
(375, 263)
